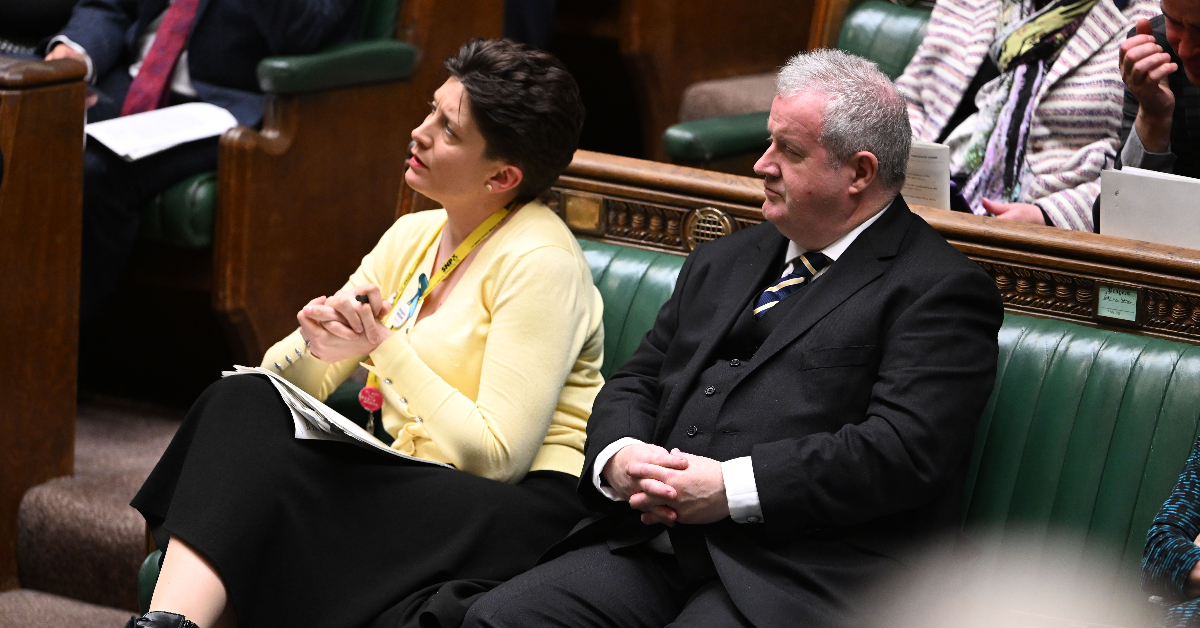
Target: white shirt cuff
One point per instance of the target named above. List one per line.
(66, 41)
(605, 455)
(741, 491)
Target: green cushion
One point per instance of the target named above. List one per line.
(885, 33)
(183, 214)
(634, 285)
(146, 579)
(1086, 431)
(356, 63)
(712, 138)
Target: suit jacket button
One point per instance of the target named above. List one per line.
(693, 430)
(752, 519)
(710, 391)
(735, 362)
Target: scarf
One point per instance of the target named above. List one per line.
(1026, 45)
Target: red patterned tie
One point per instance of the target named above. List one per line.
(149, 88)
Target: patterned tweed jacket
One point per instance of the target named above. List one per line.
(1077, 111)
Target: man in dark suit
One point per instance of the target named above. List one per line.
(799, 419)
(212, 57)
(1160, 64)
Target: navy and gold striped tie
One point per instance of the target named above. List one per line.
(804, 268)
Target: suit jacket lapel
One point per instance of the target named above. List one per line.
(1099, 26)
(865, 260)
(747, 274)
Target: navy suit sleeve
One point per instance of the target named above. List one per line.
(100, 26)
(938, 364)
(628, 404)
(1170, 551)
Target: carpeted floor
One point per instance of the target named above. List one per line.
(78, 536)
(29, 609)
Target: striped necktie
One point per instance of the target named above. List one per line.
(804, 268)
(149, 89)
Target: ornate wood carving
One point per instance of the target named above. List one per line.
(1038, 290)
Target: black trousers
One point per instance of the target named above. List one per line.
(115, 190)
(594, 587)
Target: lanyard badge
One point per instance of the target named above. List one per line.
(370, 397)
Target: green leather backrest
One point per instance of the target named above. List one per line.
(378, 20)
(1086, 431)
(885, 33)
(634, 284)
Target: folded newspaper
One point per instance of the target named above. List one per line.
(317, 421)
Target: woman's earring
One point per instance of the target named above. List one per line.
(489, 187)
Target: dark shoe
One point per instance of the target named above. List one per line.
(159, 619)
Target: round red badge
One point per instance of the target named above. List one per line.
(370, 398)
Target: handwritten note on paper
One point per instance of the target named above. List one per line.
(1118, 303)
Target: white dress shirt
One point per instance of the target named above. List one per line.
(741, 491)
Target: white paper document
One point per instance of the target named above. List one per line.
(928, 181)
(1150, 206)
(140, 135)
(317, 421)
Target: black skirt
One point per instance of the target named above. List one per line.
(319, 533)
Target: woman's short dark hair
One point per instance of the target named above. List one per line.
(526, 105)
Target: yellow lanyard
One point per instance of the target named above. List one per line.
(460, 253)
(426, 286)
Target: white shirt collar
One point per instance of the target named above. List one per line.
(839, 246)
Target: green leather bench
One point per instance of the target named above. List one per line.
(885, 33)
(183, 215)
(1086, 429)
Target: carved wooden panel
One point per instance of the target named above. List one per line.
(1040, 291)
(1039, 271)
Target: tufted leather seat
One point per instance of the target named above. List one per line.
(1086, 430)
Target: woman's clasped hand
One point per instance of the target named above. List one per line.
(340, 327)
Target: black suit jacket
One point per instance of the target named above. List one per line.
(227, 41)
(858, 411)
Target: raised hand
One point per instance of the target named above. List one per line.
(1145, 67)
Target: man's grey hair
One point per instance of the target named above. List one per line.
(863, 111)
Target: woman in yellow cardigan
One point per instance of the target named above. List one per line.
(480, 328)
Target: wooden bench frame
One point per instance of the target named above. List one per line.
(41, 220)
(1040, 271)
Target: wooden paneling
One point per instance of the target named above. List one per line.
(670, 44)
(301, 201)
(41, 200)
(1040, 271)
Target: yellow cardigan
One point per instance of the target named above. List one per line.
(500, 380)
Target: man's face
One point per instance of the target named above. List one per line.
(1183, 33)
(806, 199)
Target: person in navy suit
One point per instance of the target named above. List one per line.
(798, 421)
(222, 43)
